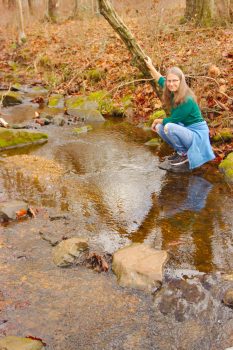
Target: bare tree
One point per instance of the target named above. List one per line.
(118, 25)
(209, 12)
(51, 10)
(22, 36)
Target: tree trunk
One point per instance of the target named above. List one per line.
(22, 36)
(209, 12)
(118, 25)
(75, 10)
(51, 10)
(30, 6)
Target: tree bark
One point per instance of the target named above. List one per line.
(118, 25)
(30, 6)
(51, 10)
(209, 12)
(22, 36)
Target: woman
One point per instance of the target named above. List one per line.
(184, 130)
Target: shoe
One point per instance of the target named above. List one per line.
(173, 156)
(179, 160)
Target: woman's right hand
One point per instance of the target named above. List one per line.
(155, 122)
(148, 61)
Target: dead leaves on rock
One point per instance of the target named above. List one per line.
(97, 262)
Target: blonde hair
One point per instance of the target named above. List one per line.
(181, 94)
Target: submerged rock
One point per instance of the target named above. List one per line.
(226, 166)
(18, 343)
(82, 129)
(153, 142)
(69, 251)
(59, 120)
(89, 115)
(139, 266)
(10, 210)
(13, 138)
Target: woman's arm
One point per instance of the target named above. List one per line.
(155, 74)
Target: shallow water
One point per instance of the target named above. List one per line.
(113, 192)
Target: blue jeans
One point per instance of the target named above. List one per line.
(178, 137)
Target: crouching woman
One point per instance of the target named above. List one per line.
(185, 130)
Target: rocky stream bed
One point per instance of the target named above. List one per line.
(98, 180)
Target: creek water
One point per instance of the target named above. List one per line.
(112, 191)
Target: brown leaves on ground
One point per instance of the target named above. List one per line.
(97, 262)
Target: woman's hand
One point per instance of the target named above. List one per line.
(155, 122)
(149, 63)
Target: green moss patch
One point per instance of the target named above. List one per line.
(153, 142)
(95, 75)
(56, 101)
(223, 136)
(14, 139)
(226, 166)
(82, 129)
(11, 98)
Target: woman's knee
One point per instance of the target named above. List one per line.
(159, 128)
(168, 127)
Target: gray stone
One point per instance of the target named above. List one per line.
(91, 115)
(139, 266)
(153, 142)
(10, 209)
(18, 343)
(69, 251)
(228, 298)
(59, 120)
(226, 167)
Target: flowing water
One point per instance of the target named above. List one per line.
(106, 185)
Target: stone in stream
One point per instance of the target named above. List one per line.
(56, 101)
(228, 298)
(18, 343)
(139, 266)
(10, 138)
(226, 167)
(69, 251)
(10, 98)
(89, 115)
(59, 120)
(11, 210)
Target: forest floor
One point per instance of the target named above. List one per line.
(84, 55)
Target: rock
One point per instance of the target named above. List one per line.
(59, 120)
(226, 166)
(153, 142)
(139, 266)
(82, 129)
(56, 101)
(10, 209)
(11, 98)
(91, 115)
(228, 298)
(14, 138)
(69, 251)
(18, 343)
(223, 136)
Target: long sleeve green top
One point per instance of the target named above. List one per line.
(187, 113)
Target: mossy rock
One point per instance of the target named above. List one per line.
(14, 138)
(156, 115)
(223, 136)
(226, 166)
(11, 98)
(105, 103)
(56, 101)
(74, 102)
(153, 142)
(82, 129)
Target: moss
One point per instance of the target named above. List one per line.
(223, 136)
(11, 98)
(45, 61)
(95, 75)
(75, 101)
(157, 114)
(56, 101)
(155, 142)
(82, 129)
(105, 103)
(10, 138)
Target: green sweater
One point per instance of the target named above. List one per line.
(187, 113)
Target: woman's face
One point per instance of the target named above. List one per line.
(173, 82)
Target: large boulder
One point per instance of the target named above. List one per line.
(139, 266)
(226, 166)
(18, 343)
(14, 138)
(88, 115)
(69, 251)
(12, 209)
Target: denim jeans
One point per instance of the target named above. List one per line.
(178, 137)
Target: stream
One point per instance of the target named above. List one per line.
(106, 185)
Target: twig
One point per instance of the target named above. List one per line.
(1, 102)
(202, 76)
(221, 105)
